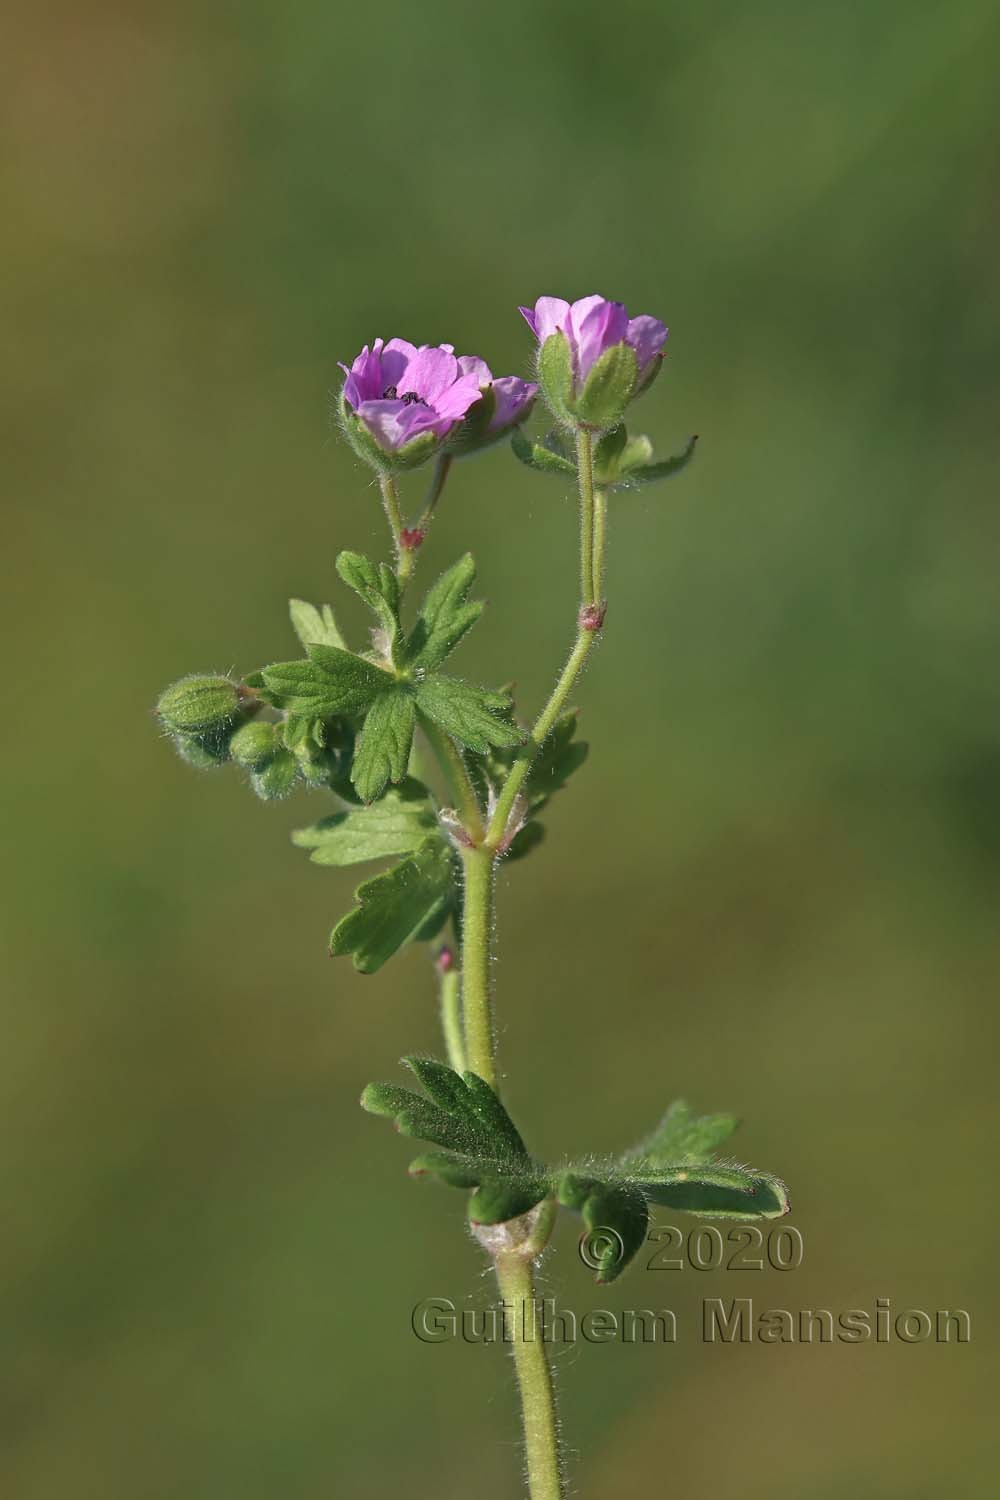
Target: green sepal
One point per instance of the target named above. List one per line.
(395, 825)
(555, 376)
(473, 433)
(445, 616)
(315, 628)
(666, 468)
(384, 461)
(329, 682)
(407, 903)
(608, 389)
(470, 714)
(541, 456)
(482, 1147)
(617, 1207)
(382, 752)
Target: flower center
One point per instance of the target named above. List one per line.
(408, 398)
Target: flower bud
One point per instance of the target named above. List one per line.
(202, 705)
(593, 358)
(255, 744)
(204, 752)
(277, 778)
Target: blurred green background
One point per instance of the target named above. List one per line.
(773, 888)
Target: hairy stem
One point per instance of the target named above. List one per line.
(451, 1017)
(390, 504)
(600, 541)
(593, 519)
(456, 773)
(477, 932)
(441, 471)
(585, 479)
(534, 1378)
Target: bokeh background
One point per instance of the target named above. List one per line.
(773, 888)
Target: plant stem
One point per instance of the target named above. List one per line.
(441, 471)
(477, 932)
(593, 518)
(585, 478)
(534, 1378)
(390, 504)
(600, 540)
(460, 786)
(451, 1018)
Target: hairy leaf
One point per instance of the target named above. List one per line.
(616, 1218)
(666, 468)
(483, 1149)
(314, 628)
(541, 456)
(382, 752)
(445, 616)
(396, 824)
(682, 1136)
(378, 586)
(409, 902)
(469, 714)
(328, 683)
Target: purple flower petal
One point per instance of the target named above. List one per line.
(551, 315)
(647, 337)
(429, 373)
(453, 403)
(595, 325)
(514, 398)
(471, 364)
(393, 423)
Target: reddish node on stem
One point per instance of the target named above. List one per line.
(410, 538)
(445, 960)
(591, 616)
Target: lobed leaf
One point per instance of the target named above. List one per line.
(382, 752)
(328, 683)
(314, 628)
(469, 714)
(682, 1136)
(445, 616)
(396, 824)
(407, 903)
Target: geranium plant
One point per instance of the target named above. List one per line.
(346, 719)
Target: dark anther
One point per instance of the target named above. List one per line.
(389, 394)
(410, 398)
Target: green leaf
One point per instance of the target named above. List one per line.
(445, 616)
(555, 374)
(559, 757)
(483, 1149)
(616, 1218)
(715, 1191)
(382, 752)
(396, 824)
(609, 387)
(666, 468)
(540, 456)
(377, 586)
(330, 682)
(409, 902)
(682, 1136)
(313, 628)
(468, 713)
